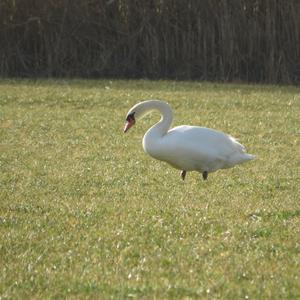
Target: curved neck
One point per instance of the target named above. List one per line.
(162, 127)
(153, 137)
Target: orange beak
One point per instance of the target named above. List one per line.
(128, 125)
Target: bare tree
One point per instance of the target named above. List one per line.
(248, 40)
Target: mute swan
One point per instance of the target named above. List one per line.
(187, 148)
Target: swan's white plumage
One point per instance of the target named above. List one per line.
(188, 148)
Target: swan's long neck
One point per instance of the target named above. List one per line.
(152, 138)
(162, 127)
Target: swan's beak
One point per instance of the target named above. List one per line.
(128, 125)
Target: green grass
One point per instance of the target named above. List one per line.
(84, 213)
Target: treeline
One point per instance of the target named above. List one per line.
(247, 40)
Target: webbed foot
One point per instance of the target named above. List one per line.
(182, 174)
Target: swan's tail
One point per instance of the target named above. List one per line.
(243, 155)
(248, 156)
(242, 158)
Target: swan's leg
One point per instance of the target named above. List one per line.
(183, 173)
(205, 175)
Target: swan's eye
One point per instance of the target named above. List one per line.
(130, 117)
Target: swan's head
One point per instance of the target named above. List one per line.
(135, 113)
(140, 110)
(130, 121)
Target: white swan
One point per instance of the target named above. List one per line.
(187, 148)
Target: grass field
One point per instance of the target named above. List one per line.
(84, 213)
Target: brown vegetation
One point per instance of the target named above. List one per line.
(249, 40)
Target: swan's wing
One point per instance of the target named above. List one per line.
(200, 148)
(205, 139)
